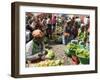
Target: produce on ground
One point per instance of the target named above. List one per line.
(78, 50)
(50, 54)
(83, 36)
(49, 63)
(83, 55)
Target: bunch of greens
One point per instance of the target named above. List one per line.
(78, 50)
(82, 36)
(70, 49)
(83, 53)
(50, 54)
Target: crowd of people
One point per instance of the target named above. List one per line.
(73, 27)
(44, 22)
(47, 23)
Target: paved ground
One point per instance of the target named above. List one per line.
(59, 50)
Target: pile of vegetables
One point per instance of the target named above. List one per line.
(59, 29)
(46, 59)
(83, 55)
(78, 50)
(83, 36)
(47, 63)
(57, 35)
(50, 54)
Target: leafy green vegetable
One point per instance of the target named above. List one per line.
(82, 53)
(78, 50)
(83, 36)
(71, 49)
(50, 54)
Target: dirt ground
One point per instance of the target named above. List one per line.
(59, 50)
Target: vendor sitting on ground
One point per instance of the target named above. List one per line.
(38, 41)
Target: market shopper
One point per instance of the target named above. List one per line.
(70, 30)
(74, 30)
(66, 33)
(54, 23)
(44, 23)
(49, 27)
